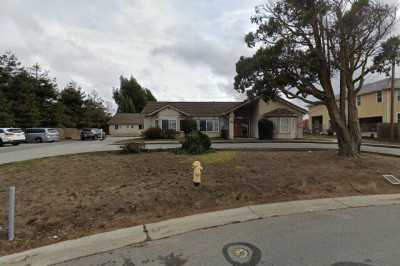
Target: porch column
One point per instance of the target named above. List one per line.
(231, 125)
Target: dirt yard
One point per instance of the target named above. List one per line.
(72, 196)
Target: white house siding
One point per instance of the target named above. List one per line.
(125, 131)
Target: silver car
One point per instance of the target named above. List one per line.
(39, 135)
(13, 136)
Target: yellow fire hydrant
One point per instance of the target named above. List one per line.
(197, 168)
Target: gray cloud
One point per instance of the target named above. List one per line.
(181, 50)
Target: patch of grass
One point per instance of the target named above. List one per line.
(216, 157)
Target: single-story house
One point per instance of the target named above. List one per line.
(239, 119)
(126, 125)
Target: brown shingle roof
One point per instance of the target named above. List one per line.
(280, 112)
(192, 108)
(126, 119)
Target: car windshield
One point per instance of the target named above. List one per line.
(14, 130)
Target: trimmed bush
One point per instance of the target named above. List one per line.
(168, 134)
(152, 133)
(196, 143)
(224, 133)
(188, 125)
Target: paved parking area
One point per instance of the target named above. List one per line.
(41, 150)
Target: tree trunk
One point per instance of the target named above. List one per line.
(348, 137)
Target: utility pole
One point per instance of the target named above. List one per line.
(392, 91)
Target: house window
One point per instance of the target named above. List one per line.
(209, 125)
(156, 124)
(116, 126)
(172, 124)
(358, 100)
(398, 118)
(168, 124)
(398, 94)
(284, 125)
(379, 96)
(140, 126)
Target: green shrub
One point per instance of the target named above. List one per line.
(134, 147)
(152, 133)
(188, 125)
(196, 143)
(224, 133)
(168, 134)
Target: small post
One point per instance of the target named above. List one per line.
(11, 214)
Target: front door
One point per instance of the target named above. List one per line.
(242, 128)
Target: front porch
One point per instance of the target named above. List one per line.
(243, 122)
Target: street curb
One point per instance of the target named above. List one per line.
(99, 243)
(72, 249)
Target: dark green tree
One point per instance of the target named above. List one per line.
(95, 114)
(23, 103)
(46, 94)
(6, 116)
(385, 62)
(131, 97)
(304, 45)
(72, 99)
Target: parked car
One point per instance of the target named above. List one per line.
(93, 134)
(39, 135)
(13, 136)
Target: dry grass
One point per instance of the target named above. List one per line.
(78, 195)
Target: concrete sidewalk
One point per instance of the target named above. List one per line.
(90, 245)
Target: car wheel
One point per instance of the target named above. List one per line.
(38, 140)
(15, 143)
(1, 143)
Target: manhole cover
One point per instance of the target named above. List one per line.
(242, 254)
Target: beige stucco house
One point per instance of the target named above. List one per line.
(373, 104)
(126, 125)
(240, 119)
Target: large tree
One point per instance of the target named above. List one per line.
(304, 44)
(131, 97)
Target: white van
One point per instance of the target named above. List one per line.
(13, 136)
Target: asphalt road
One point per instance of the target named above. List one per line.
(23, 152)
(350, 237)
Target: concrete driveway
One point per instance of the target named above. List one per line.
(349, 237)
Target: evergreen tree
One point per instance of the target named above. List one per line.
(131, 97)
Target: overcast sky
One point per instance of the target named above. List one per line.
(180, 49)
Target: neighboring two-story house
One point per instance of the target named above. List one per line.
(373, 104)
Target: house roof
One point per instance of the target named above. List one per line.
(191, 108)
(126, 119)
(372, 87)
(206, 109)
(280, 112)
(379, 85)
